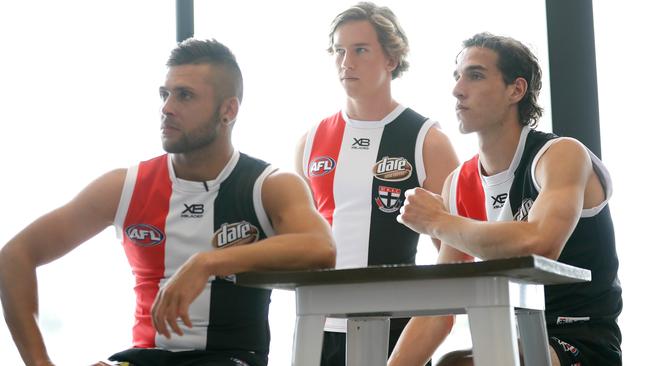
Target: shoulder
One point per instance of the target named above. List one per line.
(563, 149)
(282, 190)
(282, 181)
(562, 160)
(435, 136)
(438, 152)
(113, 179)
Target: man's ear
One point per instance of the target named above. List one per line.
(229, 109)
(392, 64)
(519, 88)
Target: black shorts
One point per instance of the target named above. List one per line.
(159, 357)
(587, 343)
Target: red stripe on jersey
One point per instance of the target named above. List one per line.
(323, 159)
(470, 197)
(144, 242)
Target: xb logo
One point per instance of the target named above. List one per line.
(193, 210)
(361, 143)
(499, 200)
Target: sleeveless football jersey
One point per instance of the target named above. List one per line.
(510, 194)
(358, 172)
(163, 220)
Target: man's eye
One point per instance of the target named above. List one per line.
(339, 51)
(185, 95)
(164, 95)
(361, 50)
(476, 75)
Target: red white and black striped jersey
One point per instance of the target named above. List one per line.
(358, 172)
(509, 195)
(163, 220)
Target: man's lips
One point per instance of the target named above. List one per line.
(349, 78)
(168, 128)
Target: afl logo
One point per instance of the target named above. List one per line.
(144, 235)
(321, 166)
(239, 233)
(392, 169)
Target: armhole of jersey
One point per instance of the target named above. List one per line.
(306, 152)
(125, 199)
(536, 160)
(453, 184)
(419, 149)
(606, 181)
(599, 168)
(258, 204)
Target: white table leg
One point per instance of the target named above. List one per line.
(308, 340)
(367, 341)
(494, 337)
(534, 339)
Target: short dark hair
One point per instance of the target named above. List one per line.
(389, 32)
(515, 60)
(194, 51)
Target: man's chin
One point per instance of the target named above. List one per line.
(463, 129)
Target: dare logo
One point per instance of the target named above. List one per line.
(392, 169)
(239, 233)
(144, 235)
(321, 166)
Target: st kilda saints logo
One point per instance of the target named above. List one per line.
(144, 235)
(239, 233)
(392, 169)
(389, 199)
(321, 166)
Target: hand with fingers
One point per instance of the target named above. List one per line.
(422, 211)
(174, 297)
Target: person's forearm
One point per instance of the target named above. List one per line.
(282, 252)
(419, 340)
(20, 306)
(491, 240)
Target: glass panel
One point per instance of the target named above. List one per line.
(621, 32)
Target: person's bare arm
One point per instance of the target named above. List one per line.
(423, 335)
(562, 172)
(46, 239)
(303, 240)
(298, 161)
(440, 160)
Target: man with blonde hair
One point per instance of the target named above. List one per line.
(360, 161)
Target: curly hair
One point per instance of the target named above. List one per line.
(389, 32)
(515, 60)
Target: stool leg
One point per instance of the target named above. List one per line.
(367, 341)
(308, 340)
(494, 337)
(534, 339)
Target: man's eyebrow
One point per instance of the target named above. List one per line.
(470, 68)
(360, 44)
(475, 67)
(175, 89)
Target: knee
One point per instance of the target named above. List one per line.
(456, 358)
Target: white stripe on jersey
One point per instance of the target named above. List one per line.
(419, 149)
(352, 226)
(125, 199)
